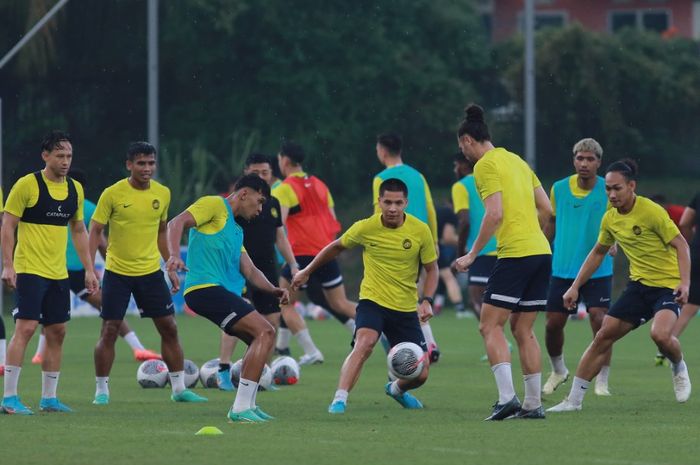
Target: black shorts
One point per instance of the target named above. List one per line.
(481, 269)
(329, 274)
(520, 284)
(220, 306)
(640, 303)
(150, 292)
(397, 326)
(41, 299)
(448, 253)
(694, 295)
(594, 294)
(264, 302)
(76, 279)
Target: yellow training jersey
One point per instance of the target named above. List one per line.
(2, 208)
(391, 259)
(41, 248)
(460, 197)
(520, 234)
(644, 235)
(134, 217)
(288, 198)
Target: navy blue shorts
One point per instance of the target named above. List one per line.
(448, 253)
(41, 299)
(594, 294)
(639, 303)
(264, 302)
(220, 306)
(76, 279)
(520, 284)
(397, 326)
(329, 274)
(150, 292)
(481, 269)
(694, 295)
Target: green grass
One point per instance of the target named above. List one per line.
(641, 424)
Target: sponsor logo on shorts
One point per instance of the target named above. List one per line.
(407, 244)
(636, 230)
(155, 204)
(604, 299)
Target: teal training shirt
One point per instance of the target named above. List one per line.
(417, 206)
(577, 229)
(476, 216)
(73, 262)
(216, 258)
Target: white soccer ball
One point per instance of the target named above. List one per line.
(208, 373)
(406, 360)
(285, 371)
(191, 373)
(152, 374)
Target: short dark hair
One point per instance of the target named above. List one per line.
(473, 124)
(139, 148)
(626, 167)
(79, 175)
(253, 181)
(293, 151)
(393, 185)
(391, 142)
(53, 140)
(257, 157)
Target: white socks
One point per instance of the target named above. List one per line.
(428, 334)
(133, 340)
(49, 383)
(679, 367)
(602, 377)
(284, 335)
(341, 395)
(504, 382)
(304, 339)
(578, 390)
(558, 365)
(177, 381)
(11, 380)
(533, 388)
(245, 395)
(350, 325)
(101, 385)
(394, 389)
(41, 345)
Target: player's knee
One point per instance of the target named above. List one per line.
(56, 333)
(363, 348)
(266, 335)
(110, 331)
(661, 338)
(555, 325)
(24, 333)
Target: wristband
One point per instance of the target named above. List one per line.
(429, 299)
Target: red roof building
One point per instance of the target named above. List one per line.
(504, 18)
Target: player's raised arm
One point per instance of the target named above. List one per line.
(328, 253)
(593, 260)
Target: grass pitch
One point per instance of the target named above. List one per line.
(641, 424)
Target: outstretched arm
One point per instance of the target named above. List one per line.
(256, 277)
(683, 253)
(489, 225)
(593, 260)
(328, 253)
(175, 229)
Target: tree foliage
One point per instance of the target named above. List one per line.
(637, 93)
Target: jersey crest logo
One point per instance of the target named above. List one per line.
(407, 244)
(273, 212)
(156, 204)
(636, 230)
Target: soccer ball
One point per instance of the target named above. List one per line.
(191, 373)
(208, 373)
(405, 360)
(285, 370)
(152, 374)
(265, 378)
